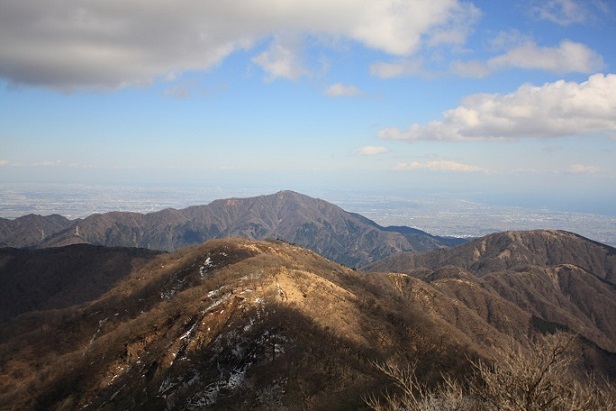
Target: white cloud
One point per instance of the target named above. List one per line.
(505, 40)
(583, 169)
(460, 22)
(566, 12)
(440, 165)
(563, 12)
(48, 163)
(282, 59)
(4, 163)
(341, 90)
(68, 44)
(472, 68)
(568, 57)
(371, 150)
(553, 110)
(53, 164)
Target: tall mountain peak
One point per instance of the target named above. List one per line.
(316, 224)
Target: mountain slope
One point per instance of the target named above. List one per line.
(31, 228)
(557, 279)
(344, 237)
(61, 277)
(228, 324)
(507, 250)
(241, 324)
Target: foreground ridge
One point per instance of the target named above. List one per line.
(243, 324)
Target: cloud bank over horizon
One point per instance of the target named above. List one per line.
(440, 165)
(557, 109)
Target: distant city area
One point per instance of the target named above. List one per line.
(460, 218)
(435, 214)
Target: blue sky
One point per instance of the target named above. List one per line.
(503, 101)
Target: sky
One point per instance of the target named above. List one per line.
(512, 102)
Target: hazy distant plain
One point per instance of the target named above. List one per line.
(439, 214)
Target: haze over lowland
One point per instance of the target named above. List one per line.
(441, 213)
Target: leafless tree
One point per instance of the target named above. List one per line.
(414, 395)
(537, 377)
(534, 376)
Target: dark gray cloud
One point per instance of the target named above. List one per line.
(68, 44)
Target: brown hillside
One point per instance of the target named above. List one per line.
(557, 279)
(240, 324)
(232, 323)
(513, 249)
(27, 230)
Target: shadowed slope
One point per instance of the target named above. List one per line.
(61, 277)
(231, 323)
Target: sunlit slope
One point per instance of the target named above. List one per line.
(229, 323)
(243, 324)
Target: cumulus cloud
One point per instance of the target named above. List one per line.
(440, 165)
(341, 90)
(68, 44)
(568, 57)
(553, 110)
(454, 32)
(583, 169)
(371, 150)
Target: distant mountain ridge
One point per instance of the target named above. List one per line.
(30, 229)
(325, 228)
(511, 250)
(559, 280)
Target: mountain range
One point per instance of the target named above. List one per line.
(555, 279)
(344, 237)
(243, 324)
